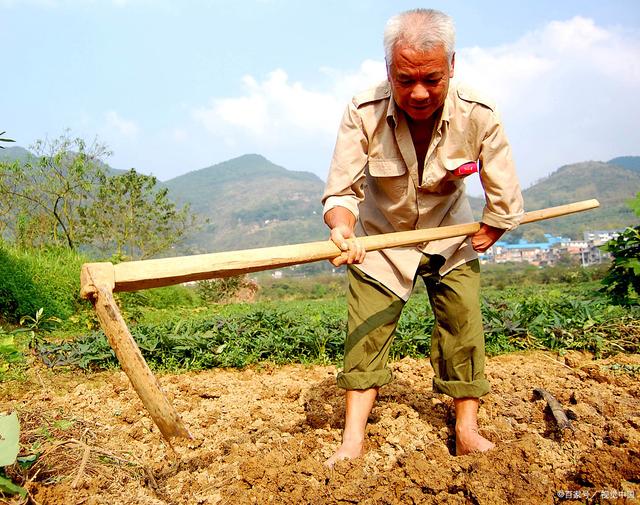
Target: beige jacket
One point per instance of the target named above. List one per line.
(374, 174)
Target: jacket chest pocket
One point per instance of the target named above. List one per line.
(388, 177)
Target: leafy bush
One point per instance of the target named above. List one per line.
(622, 282)
(234, 337)
(530, 318)
(47, 279)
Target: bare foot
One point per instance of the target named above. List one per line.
(348, 450)
(468, 440)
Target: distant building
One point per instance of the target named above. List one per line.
(587, 251)
(600, 237)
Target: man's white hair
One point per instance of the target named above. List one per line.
(421, 29)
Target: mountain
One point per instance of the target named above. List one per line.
(251, 202)
(14, 153)
(611, 184)
(628, 162)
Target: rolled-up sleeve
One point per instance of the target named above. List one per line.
(504, 204)
(346, 173)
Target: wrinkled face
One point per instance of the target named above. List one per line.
(419, 80)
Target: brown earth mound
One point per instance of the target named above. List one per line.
(262, 434)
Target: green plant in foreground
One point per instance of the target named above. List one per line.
(11, 355)
(9, 448)
(34, 325)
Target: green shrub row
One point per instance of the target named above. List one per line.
(313, 332)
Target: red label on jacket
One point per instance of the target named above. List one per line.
(466, 169)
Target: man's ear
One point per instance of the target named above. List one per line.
(388, 70)
(453, 62)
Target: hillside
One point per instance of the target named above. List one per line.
(628, 162)
(610, 183)
(14, 153)
(251, 202)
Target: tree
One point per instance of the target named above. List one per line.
(44, 194)
(64, 195)
(132, 218)
(622, 281)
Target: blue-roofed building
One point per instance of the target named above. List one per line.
(587, 252)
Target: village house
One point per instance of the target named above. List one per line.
(586, 251)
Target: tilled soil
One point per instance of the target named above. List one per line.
(261, 435)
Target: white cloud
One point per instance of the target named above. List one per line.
(559, 52)
(566, 93)
(123, 126)
(281, 111)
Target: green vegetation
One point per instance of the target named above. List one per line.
(226, 289)
(42, 278)
(555, 317)
(130, 216)
(9, 448)
(64, 195)
(293, 320)
(313, 287)
(622, 282)
(79, 208)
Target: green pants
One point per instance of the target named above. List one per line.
(457, 341)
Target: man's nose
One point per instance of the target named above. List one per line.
(419, 92)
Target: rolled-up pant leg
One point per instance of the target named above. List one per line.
(457, 342)
(374, 312)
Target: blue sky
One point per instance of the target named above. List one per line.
(172, 87)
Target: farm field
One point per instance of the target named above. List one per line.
(262, 433)
(255, 385)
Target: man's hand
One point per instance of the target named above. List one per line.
(342, 222)
(485, 237)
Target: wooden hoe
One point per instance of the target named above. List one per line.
(99, 281)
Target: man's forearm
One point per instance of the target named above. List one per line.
(340, 217)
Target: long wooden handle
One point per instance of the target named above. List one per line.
(134, 275)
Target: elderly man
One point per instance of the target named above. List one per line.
(403, 150)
